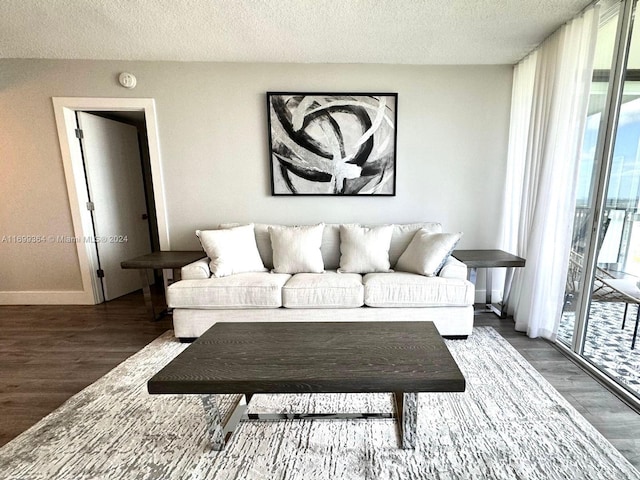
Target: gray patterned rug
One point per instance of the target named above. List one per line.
(607, 345)
(509, 424)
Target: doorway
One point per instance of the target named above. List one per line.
(113, 151)
(141, 113)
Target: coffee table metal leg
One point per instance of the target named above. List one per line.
(407, 418)
(214, 421)
(219, 432)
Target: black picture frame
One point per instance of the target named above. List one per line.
(327, 143)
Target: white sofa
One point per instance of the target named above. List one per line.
(199, 300)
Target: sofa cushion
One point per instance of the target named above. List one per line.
(331, 246)
(244, 290)
(297, 249)
(453, 268)
(401, 289)
(364, 249)
(263, 241)
(403, 234)
(427, 252)
(231, 250)
(323, 290)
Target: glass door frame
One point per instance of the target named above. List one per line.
(603, 161)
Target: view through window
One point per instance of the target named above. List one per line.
(614, 294)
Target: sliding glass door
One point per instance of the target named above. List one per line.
(600, 315)
(590, 165)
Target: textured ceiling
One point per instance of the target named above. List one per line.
(315, 31)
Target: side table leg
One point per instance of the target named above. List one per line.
(146, 291)
(488, 288)
(177, 275)
(407, 418)
(508, 280)
(472, 274)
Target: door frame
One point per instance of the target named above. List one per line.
(65, 109)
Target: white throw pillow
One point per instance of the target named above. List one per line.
(231, 250)
(365, 249)
(427, 252)
(297, 249)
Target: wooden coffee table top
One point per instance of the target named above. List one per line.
(313, 357)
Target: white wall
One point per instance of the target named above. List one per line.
(451, 151)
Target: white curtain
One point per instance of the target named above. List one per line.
(548, 114)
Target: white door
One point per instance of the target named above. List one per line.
(114, 178)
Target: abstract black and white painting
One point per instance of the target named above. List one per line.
(332, 143)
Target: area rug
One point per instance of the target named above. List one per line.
(607, 345)
(509, 424)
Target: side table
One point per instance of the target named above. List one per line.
(174, 260)
(489, 259)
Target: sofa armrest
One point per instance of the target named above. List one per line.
(196, 270)
(453, 268)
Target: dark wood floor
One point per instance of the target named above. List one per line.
(49, 353)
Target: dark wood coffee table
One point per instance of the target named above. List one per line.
(315, 357)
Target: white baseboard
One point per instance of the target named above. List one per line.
(43, 297)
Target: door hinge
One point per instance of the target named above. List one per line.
(79, 133)
(90, 206)
(100, 273)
